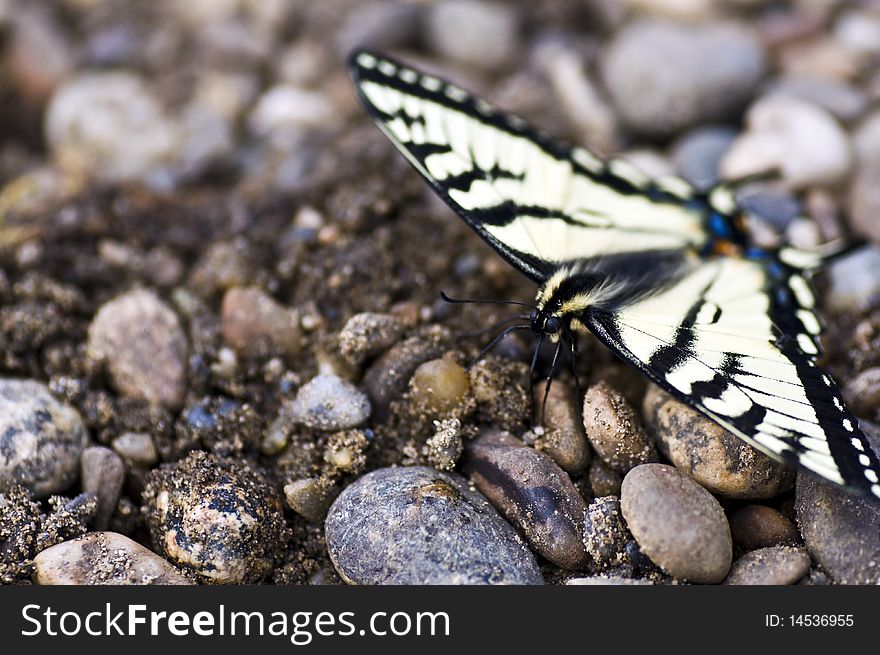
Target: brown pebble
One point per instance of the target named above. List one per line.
(776, 565)
(439, 386)
(367, 335)
(311, 497)
(563, 437)
(714, 457)
(614, 429)
(255, 324)
(604, 481)
(862, 392)
(759, 526)
(102, 475)
(499, 388)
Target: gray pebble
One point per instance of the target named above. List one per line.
(843, 101)
(419, 526)
(533, 493)
(777, 565)
(854, 280)
(717, 459)
(102, 475)
(866, 139)
(664, 77)
(137, 448)
(604, 480)
(841, 531)
(864, 201)
(697, 154)
(605, 532)
(217, 518)
(40, 439)
(614, 429)
(329, 403)
(677, 524)
(474, 32)
(255, 324)
(140, 340)
(378, 25)
(368, 334)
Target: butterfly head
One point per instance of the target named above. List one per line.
(547, 324)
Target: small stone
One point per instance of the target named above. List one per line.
(256, 325)
(104, 558)
(284, 111)
(614, 429)
(102, 475)
(137, 448)
(439, 386)
(862, 392)
(415, 525)
(697, 154)
(714, 457)
(563, 436)
(798, 139)
(218, 518)
(379, 26)
(677, 523)
(38, 54)
(759, 526)
(499, 389)
(367, 335)
(854, 280)
(664, 77)
(311, 497)
(40, 439)
(458, 30)
(604, 481)
(843, 101)
(605, 532)
(329, 403)
(841, 531)
(866, 139)
(109, 125)
(141, 342)
(445, 446)
(777, 565)
(223, 265)
(345, 451)
(864, 201)
(533, 493)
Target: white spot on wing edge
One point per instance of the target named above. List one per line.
(408, 75)
(626, 171)
(722, 199)
(386, 68)
(431, 83)
(586, 159)
(847, 424)
(807, 345)
(675, 186)
(456, 93)
(801, 291)
(857, 443)
(809, 320)
(366, 60)
(871, 475)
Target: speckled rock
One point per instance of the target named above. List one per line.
(102, 475)
(854, 280)
(614, 429)
(841, 531)
(137, 448)
(533, 493)
(40, 439)
(457, 30)
(778, 565)
(604, 480)
(759, 526)
(311, 497)
(563, 436)
(445, 446)
(799, 139)
(142, 344)
(663, 77)
(862, 392)
(329, 403)
(677, 523)
(367, 335)
(433, 529)
(217, 518)
(499, 388)
(605, 532)
(345, 452)
(104, 558)
(717, 459)
(254, 323)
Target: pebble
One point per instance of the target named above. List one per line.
(605, 532)
(459, 30)
(759, 526)
(387, 377)
(866, 139)
(677, 524)
(697, 154)
(499, 388)
(854, 280)
(563, 436)
(445, 446)
(109, 125)
(533, 493)
(345, 451)
(776, 565)
(38, 55)
(368, 334)
(842, 100)
(439, 386)
(222, 266)
(104, 558)
(102, 475)
(284, 112)
(663, 77)
(140, 340)
(137, 448)
(41, 440)
(604, 481)
(329, 403)
(775, 207)
(798, 139)
(432, 528)
(841, 531)
(311, 497)
(864, 201)
(256, 325)
(217, 518)
(614, 429)
(714, 457)
(378, 25)
(862, 392)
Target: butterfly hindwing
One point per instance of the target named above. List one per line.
(539, 202)
(712, 342)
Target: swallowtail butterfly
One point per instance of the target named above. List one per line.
(660, 273)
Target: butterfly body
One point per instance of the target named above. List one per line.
(662, 274)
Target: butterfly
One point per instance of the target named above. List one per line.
(662, 274)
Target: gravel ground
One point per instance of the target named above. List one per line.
(223, 358)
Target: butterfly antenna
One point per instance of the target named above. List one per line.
(550, 379)
(574, 372)
(491, 328)
(497, 340)
(481, 301)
